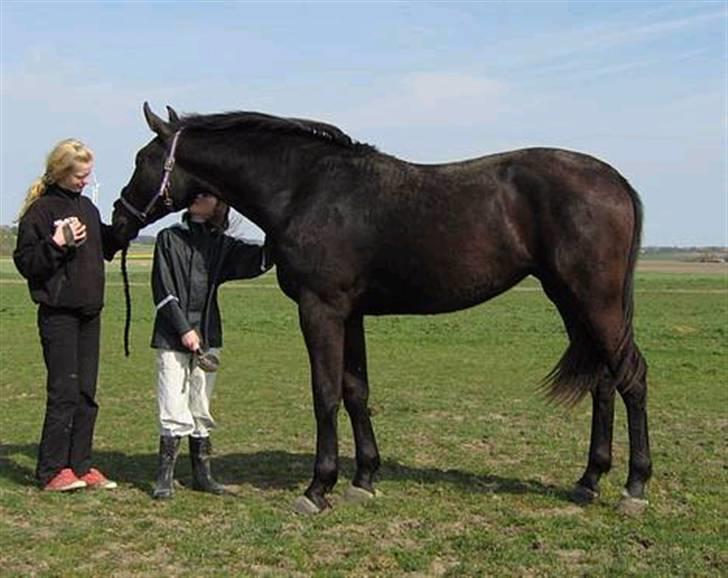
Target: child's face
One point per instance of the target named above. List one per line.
(203, 206)
(78, 177)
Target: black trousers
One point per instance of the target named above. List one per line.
(71, 352)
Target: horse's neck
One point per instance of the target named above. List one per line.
(267, 201)
(269, 213)
(259, 186)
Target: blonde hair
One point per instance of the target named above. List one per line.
(59, 163)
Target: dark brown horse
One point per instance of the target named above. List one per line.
(355, 232)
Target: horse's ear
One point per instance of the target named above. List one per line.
(173, 116)
(161, 128)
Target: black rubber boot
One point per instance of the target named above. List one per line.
(200, 452)
(168, 450)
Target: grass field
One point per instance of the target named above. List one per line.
(476, 466)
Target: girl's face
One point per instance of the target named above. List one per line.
(203, 206)
(78, 178)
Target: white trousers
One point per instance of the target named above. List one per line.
(183, 395)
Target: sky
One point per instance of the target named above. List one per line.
(640, 85)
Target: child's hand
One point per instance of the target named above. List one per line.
(191, 340)
(78, 229)
(69, 232)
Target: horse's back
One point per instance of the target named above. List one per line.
(499, 217)
(433, 238)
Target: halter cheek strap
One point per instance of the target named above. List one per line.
(163, 191)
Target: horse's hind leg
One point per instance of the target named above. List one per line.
(356, 395)
(634, 394)
(600, 444)
(627, 372)
(602, 358)
(582, 370)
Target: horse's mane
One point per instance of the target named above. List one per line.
(266, 122)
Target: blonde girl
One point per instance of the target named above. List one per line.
(60, 250)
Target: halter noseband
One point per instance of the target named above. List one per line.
(163, 191)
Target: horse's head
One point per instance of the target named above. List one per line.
(156, 187)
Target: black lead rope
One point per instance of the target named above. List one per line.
(127, 297)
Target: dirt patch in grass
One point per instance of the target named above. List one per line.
(570, 510)
(694, 268)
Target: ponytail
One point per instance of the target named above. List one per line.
(35, 192)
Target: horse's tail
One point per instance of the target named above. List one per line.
(631, 367)
(581, 367)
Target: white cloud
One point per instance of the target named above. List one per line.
(59, 91)
(645, 32)
(431, 99)
(579, 49)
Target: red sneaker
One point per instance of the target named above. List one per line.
(95, 480)
(64, 481)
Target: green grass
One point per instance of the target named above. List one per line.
(476, 466)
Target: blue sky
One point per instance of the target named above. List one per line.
(641, 85)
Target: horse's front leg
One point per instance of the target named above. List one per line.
(356, 397)
(323, 329)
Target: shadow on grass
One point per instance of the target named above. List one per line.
(273, 469)
(285, 470)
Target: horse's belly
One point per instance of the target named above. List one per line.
(419, 296)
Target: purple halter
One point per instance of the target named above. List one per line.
(163, 191)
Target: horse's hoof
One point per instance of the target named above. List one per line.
(229, 490)
(356, 495)
(304, 505)
(630, 506)
(582, 495)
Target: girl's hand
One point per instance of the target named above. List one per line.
(79, 231)
(69, 232)
(58, 237)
